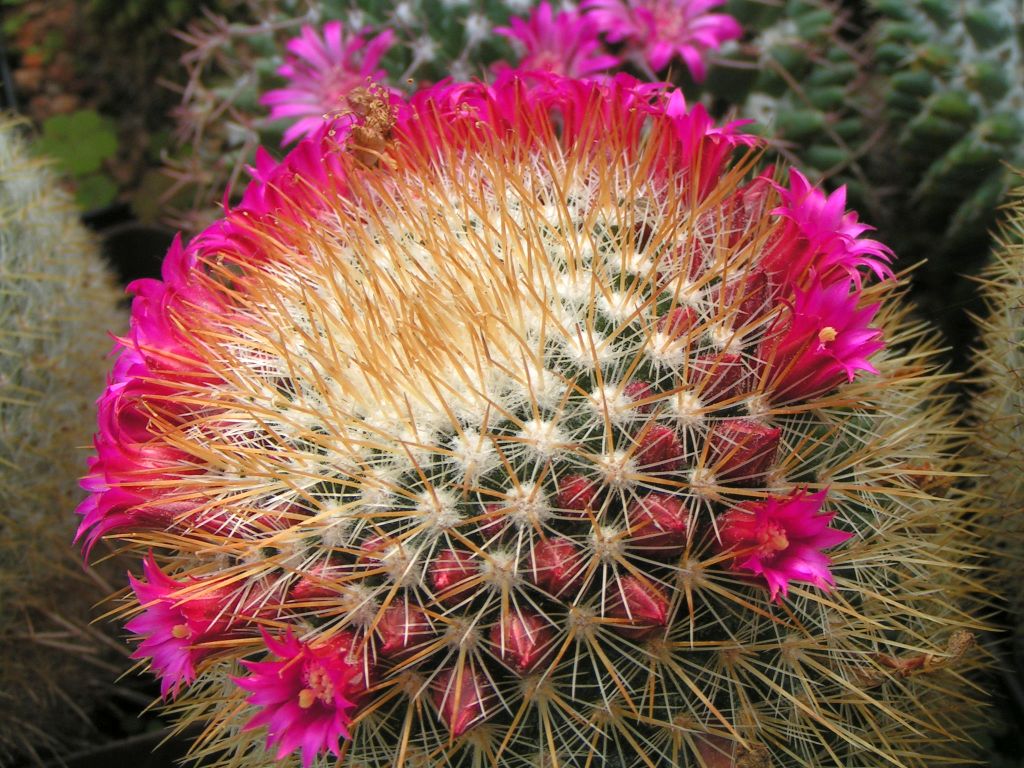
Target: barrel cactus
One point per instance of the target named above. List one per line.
(57, 302)
(525, 425)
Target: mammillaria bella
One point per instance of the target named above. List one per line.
(524, 425)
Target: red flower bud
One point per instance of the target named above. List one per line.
(450, 575)
(642, 609)
(749, 296)
(403, 629)
(677, 322)
(636, 390)
(522, 641)
(719, 377)
(461, 702)
(686, 260)
(659, 450)
(373, 548)
(657, 525)
(495, 520)
(556, 565)
(741, 450)
(575, 495)
(319, 581)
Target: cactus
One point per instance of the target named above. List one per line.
(56, 303)
(517, 425)
(951, 81)
(800, 72)
(997, 416)
(232, 58)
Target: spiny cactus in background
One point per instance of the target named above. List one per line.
(998, 410)
(56, 304)
(800, 73)
(232, 60)
(951, 79)
(524, 425)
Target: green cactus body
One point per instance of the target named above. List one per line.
(57, 302)
(800, 73)
(950, 79)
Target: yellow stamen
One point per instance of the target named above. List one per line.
(306, 698)
(827, 334)
(778, 541)
(180, 631)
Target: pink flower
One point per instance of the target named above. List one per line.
(820, 341)
(321, 72)
(782, 540)
(821, 239)
(564, 43)
(664, 29)
(306, 699)
(177, 623)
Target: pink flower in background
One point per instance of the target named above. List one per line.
(664, 29)
(565, 43)
(782, 540)
(177, 618)
(306, 699)
(823, 339)
(321, 71)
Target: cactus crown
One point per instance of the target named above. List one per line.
(512, 428)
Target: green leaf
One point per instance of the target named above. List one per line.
(95, 191)
(79, 141)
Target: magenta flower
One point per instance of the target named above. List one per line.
(664, 29)
(565, 43)
(782, 540)
(306, 699)
(321, 72)
(821, 239)
(820, 341)
(178, 621)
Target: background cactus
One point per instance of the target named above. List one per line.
(950, 76)
(997, 415)
(479, 436)
(801, 72)
(57, 303)
(232, 58)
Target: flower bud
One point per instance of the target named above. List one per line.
(317, 582)
(495, 520)
(461, 701)
(637, 390)
(657, 525)
(450, 575)
(719, 377)
(402, 629)
(575, 495)
(749, 296)
(641, 609)
(556, 566)
(677, 322)
(522, 641)
(741, 450)
(659, 450)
